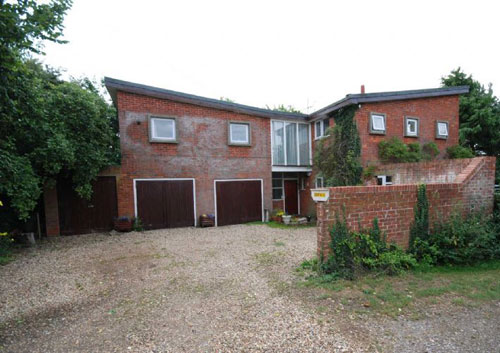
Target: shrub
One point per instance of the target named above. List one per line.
(137, 226)
(419, 229)
(465, 240)
(366, 250)
(396, 151)
(458, 151)
(430, 151)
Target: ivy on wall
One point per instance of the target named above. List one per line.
(337, 157)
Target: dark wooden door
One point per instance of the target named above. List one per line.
(291, 197)
(79, 216)
(165, 203)
(238, 201)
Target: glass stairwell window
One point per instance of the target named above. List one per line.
(290, 143)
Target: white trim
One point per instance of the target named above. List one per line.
(261, 194)
(247, 140)
(291, 169)
(165, 179)
(162, 138)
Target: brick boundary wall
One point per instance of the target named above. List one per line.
(393, 205)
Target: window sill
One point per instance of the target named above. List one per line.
(163, 141)
(239, 144)
(441, 137)
(377, 133)
(412, 136)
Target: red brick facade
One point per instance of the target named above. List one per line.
(471, 189)
(202, 151)
(428, 110)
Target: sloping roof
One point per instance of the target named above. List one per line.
(388, 96)
(113, 85)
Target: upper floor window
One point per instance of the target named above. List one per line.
(290, 143)
(162, 129)
(320, 128)
(377, 123)
(411, 127)
(239, 133)
(441, 130)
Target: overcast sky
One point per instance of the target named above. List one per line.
(304, 53)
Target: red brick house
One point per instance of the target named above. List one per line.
(185, 155)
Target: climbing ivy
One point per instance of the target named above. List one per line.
(337, 157)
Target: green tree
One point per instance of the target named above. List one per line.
(479, 115)
(284, 108)
(49, 128)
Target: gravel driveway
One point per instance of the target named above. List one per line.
(225, 289)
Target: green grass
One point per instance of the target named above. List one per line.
(273, 224)
(409, 293)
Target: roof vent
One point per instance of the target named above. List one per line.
(362, 89)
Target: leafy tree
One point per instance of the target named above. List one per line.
(479, 115)
(50, 128)
(283, 108)
(338, 156)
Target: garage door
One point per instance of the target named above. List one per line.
(238, 201)
(165, 203)
(79, 216)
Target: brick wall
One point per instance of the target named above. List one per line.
(202, 151)
(428, 110)
(393, 205)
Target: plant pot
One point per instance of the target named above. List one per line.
(123, 225)
(286, 219)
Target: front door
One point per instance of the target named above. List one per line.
(291, 198)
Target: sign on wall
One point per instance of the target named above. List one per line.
(320, 194)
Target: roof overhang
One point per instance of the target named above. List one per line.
(387, 96)
(114, 85)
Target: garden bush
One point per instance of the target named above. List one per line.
(430, 151)
(396, 151)
(353, 253)
(458, 151)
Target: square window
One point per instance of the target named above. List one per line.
(277, 183)
(162, 129)
(442, 129)
(411, 127)
(239, 134)
(277, 194)
(377, 123)
(384, 180)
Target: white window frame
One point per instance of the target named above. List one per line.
(152, 132)
(322, 130)
(409, 133)
(282, 187)
(438, 133)
(232, 142)
(383, 178)
(297, 139)
(373, 130)
(319, 178)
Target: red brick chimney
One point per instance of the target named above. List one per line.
(362, 89)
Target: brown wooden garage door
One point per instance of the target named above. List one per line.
(165, 203)
(79, 216)
(238, 201)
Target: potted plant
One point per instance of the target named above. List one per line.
(277, 215)
(286, 219)
(123, 224)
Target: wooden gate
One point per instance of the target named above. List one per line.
(238, 201)
(165, 203)
(79, 216)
